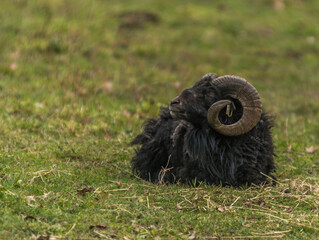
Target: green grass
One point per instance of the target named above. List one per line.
(77, 80)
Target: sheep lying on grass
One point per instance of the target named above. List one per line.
(214, 132)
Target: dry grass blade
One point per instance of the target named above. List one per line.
(247, 237)
(163, 171)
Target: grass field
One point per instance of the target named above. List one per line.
(77, 80)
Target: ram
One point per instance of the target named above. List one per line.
(214, 132)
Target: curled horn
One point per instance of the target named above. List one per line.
(236, 88)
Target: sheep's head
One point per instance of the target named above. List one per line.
(229, 104)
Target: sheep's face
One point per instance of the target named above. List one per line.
(192, 104)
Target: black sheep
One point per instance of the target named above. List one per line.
(214, 132)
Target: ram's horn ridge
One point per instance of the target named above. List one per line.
(236, 88)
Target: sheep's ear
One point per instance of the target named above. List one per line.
(206, 78)
(209, 76)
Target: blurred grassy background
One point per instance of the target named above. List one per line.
(78, 78)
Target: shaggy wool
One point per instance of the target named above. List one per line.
(186, 149)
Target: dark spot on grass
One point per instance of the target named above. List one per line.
(55, 47)
(85, 190)
(294, 54)
(69, 155)
(43, 238)
(287, 191)
(98, 226)
(137, 19)
(222, 6)
(30, 218)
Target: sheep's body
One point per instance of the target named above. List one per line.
(195, 152)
